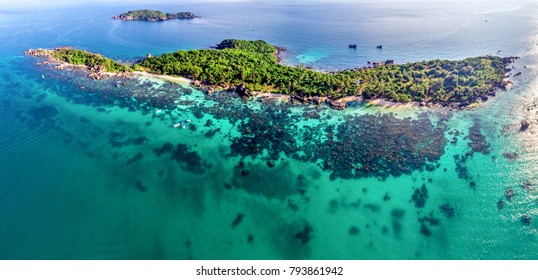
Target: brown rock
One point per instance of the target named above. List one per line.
(337, 105)
(524, 125)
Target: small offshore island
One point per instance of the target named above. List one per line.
(251, 67)
(153, 15)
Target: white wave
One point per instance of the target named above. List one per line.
(511, 9)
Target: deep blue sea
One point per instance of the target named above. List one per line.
(96, 169)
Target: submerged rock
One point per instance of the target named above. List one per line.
(500, 204)
(526, 219)
(511, 156)
(238, 219)
(243, 91)
(337, 105)
(510, 192)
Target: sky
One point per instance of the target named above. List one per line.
(56, 3)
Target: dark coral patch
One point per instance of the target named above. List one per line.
(511, 156)
(372, 207)
(447, 210)
(381, 145)
(43, 117)
(119, 139)
(420, 196)
(500, 204)
(426, 223)
(361, 146)
(384, 230)
(165, 149)
(510, 192)
(136, 158)
(140, 187)
(306, 234)
(187, 159)
(472, 185)
(397, 213)
(211, 133)
(477, 141)
(425, 230)
(526, 219)
(353, 230)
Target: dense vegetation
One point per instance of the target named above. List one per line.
(152, 15)
(254, 63)
(80, 57)
(258, 46)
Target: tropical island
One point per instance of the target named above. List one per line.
(251, 67)
(153, 15)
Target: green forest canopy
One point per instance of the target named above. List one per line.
(80, 57)
(255, 64)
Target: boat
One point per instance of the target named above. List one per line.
(158, 111)
(353, 46)
(188, 120)
(380, 46)
(183, 125)
(43, 76)
(177, 124)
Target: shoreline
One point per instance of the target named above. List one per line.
(172, 79)
(342, 103)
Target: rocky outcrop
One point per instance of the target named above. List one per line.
(38, 52)
(524, 125)
(243, 91)
(337, 105)
(97, 72)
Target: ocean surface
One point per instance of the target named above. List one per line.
(96, 169)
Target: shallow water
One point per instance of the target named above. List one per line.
(90, 170)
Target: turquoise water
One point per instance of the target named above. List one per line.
(90, 170)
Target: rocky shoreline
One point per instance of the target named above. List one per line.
(98, 73)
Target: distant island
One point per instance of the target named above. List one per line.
(250, 67)
(153, 15)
